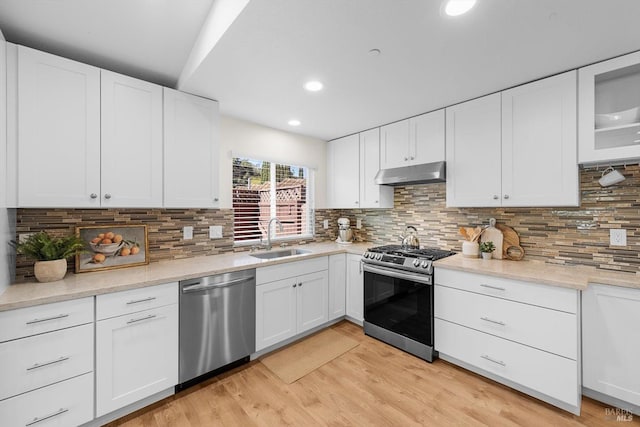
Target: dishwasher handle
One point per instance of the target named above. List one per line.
(196, 287)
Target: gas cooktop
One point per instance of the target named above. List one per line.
(409, 259)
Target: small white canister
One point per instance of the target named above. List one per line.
(470, 249)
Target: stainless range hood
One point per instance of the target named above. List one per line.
(417, 174)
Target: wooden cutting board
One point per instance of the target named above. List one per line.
(511, 248)
(492, 234)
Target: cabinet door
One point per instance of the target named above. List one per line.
(371, 194)
(343, 173)
(337, 285)
(312, 300)
(275, 312)
(3, 122)
(191, 143)
(427, 138)
(539, 143)
(473, 153)
(394, 145)
(355, 288)
(609, 121)
(58, 131)
(131, 149)
(136, 357)
(610, 350)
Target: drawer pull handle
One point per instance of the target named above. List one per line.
(46, 319)
(141, 300)
(46, 417)
(497, 362)
(40, 365)
(497, 288)
(497, 322)
(151, 316)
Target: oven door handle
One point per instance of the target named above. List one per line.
(398, 274)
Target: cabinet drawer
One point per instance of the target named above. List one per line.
(530, 293)
(33, 362)
(543, 372)
(549, 330)
(65, 404)
(291, 269)
(24, 322)
(125, 302)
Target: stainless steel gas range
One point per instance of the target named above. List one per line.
(398, 297)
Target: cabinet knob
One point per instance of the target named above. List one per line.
(495, 197)
(93, 196)
(294, 285)
(411, 158)
(107, 196)
(300, 284)
(375, 201)
(215, 199)
(406, 158)
(506, 196)
(356, 202)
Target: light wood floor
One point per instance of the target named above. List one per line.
(372, 385)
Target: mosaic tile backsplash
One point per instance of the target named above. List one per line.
(557, 235)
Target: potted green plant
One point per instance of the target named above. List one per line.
(487, 248)
(50, 253)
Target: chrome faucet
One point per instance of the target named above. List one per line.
(268, 247)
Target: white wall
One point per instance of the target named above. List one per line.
(240, 138)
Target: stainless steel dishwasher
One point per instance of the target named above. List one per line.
(217, 324)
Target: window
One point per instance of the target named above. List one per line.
(257, 198)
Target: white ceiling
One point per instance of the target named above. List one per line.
(257, 68)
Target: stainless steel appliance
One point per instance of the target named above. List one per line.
(217, 324)
(416, 174)
(398, 297)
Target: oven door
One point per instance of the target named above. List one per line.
(400, 302)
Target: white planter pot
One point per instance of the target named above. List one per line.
(487, 255)
(470, 249)
(50, 271)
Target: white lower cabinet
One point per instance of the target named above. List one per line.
(611, 350)
(64, 404)
(136, 354)
(524, 335)
(46, 364)
(355, 288)
(292, 305)
(337, 285)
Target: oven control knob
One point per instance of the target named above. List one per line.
(365, 255)
(378, 257)
(425, 264)
(416, 262)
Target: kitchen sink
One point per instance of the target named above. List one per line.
(281, 253)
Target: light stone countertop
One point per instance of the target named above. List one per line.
(102, 282)
(567, 276)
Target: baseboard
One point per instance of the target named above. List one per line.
(610, 400)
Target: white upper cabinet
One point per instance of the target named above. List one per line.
(131, 149)
(539, 143)
(609, 116)
(343, 173)
(58, 149)
(372, 195)
(352, 164)
(473, 153)
(413, 141)
(191, 145)
(3, 122)
(515, 148)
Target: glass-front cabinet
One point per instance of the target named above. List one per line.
(609, 110)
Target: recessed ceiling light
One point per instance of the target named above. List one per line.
(374, 52)
(458, 7)
(313, 86)
(294, 122)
